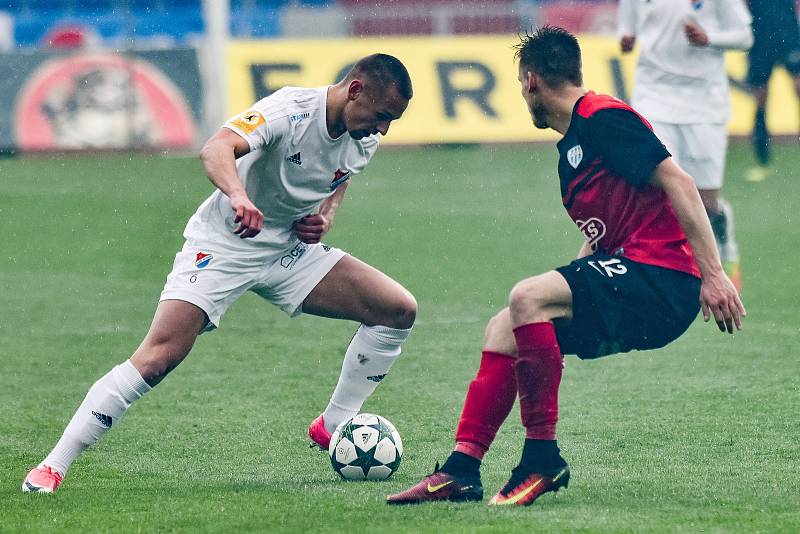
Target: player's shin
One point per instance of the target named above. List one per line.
(538, 369)
(371, 353)
(490, 397)
(102, 408)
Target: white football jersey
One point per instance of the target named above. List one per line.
(292, 166)
(676, 82)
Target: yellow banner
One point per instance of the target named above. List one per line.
(465, 88)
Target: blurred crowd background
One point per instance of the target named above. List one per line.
(164, 74)
(167, 23)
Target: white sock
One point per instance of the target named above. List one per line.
(729, 251)
(372, 352)
(106, 401)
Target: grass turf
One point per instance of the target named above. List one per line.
(699, 436)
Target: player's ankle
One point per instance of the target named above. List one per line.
(462, 465)
(470, 448)
(543, 454)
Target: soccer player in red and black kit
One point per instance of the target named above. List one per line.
(648, 264)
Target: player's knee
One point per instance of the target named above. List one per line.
(498, 324)
(499, 336)
(156, 358)
(401, 312)
(528, 295)
(405, 312)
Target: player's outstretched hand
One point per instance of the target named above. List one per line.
(249, 217)
(311, 228)
(718, 297)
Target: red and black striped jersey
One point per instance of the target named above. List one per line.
(606, 159)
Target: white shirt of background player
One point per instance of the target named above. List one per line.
(680, 73)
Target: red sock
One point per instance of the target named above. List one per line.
(489, 400)
(538, 369)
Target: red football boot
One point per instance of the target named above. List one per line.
(439, 486)
(319, 437)
(525, 486)
(42, 480)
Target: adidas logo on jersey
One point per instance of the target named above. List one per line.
(295, 158)
(104, 419)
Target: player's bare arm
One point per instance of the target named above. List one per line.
(219, 156)
(586, 250)
(311, 228)
(718, 296)
(734, 36)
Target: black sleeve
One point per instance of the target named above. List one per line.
(628, 146)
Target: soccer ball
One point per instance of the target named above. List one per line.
(366, 447)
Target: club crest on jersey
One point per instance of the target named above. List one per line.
(339, 177)
(593, 229)
(202, 260)
(575, 156)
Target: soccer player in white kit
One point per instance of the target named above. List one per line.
(281, 169)
(682, 90)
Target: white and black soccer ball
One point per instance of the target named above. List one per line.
(366, 447)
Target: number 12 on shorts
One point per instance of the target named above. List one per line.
(608, 267)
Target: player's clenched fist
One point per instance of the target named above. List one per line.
(249, 217)
(696, 35)
(626, 43)
(311, 228)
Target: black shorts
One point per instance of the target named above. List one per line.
(620, 305)
(766, 54)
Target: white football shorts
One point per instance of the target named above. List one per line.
(698, 148)
(213, 280)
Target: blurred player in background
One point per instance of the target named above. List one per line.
(635, 285)
(281, 170)
(776, 40)
(682, 89)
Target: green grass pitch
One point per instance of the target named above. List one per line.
(701, 436)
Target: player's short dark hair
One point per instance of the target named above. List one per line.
(553, 53)
(386, 70)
